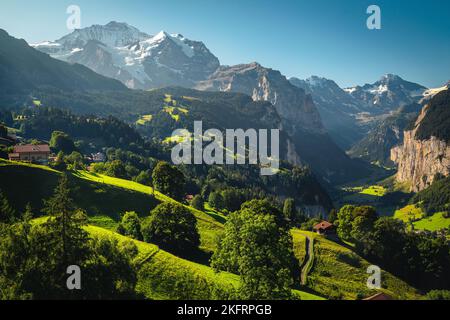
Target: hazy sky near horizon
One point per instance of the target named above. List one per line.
(300, 38)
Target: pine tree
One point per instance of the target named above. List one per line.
(7, 213)
(289, 209)
(66, 223)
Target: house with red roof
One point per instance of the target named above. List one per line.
(30, 153)
(325, 228)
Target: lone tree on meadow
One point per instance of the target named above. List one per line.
(173, 227)
(169, 180)
(198, 202)
(130, 226)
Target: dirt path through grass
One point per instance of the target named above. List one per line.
(309, 260)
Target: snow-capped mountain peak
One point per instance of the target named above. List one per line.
(388, 93)
(113, 34)
(139, 60)
(162, 35)
(391, 77)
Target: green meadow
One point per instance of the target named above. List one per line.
(436, 222)
(334, 271)
(339, 273)
(144, 119)
(411, 212)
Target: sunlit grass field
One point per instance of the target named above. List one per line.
(409, 213)
(208, 226)
(339, 273)
(165, 276)
(144, 119)
(434, 223)
(378, 191)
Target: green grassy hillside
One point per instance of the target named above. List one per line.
(436, 222)
(162, 275)
(26, 183)
(411, 212)
(336, 272)
(428, 209)
(103, 198)
(208, 227)
(339, 273)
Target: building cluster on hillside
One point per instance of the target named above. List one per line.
(96, 157)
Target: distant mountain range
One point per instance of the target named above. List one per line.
(139, 60)
(338, 109)
(388, 93)
(307, 139)
(318, 115)
(142, 61)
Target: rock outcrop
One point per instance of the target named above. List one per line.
(294, 106)
(419, 161)
(300, 119)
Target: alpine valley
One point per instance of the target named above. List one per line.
(86, 126)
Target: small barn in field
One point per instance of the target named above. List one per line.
(325, 228)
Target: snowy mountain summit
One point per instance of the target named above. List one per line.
(139, 60)
(388, 93)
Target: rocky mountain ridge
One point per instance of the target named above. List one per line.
(421, 159)
(139, 60)
(388, 93)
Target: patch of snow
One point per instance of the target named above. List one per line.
(180, 41)
(434, 91)
(45, 44)
(350, 90)
(380, 89)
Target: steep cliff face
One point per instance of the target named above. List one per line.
(420, 160)
(294, 106)
(309, 141)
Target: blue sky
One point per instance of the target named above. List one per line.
(299, 38)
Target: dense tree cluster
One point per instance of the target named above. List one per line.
(198, 203)
(418, 257)
(169, 180)
(61, 142)
(130, 226)
(173, 227)
(3, 131)
(435, 198)
(238, 184)
(105, 132)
